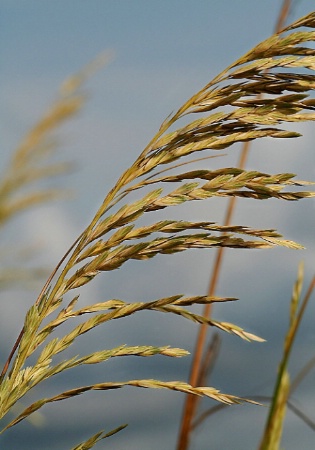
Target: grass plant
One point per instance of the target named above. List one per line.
(274, 425)
(224, 112)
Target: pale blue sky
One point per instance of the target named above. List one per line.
(164, 52)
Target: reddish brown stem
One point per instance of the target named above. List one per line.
(6, 366)
(17, 342)
(196, 366)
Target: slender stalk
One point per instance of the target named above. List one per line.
(42, 292)
(278, 393)
(302, 374)
(196, 365)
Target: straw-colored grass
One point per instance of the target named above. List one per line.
(228, 112)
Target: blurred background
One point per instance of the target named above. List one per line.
(163, 53)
